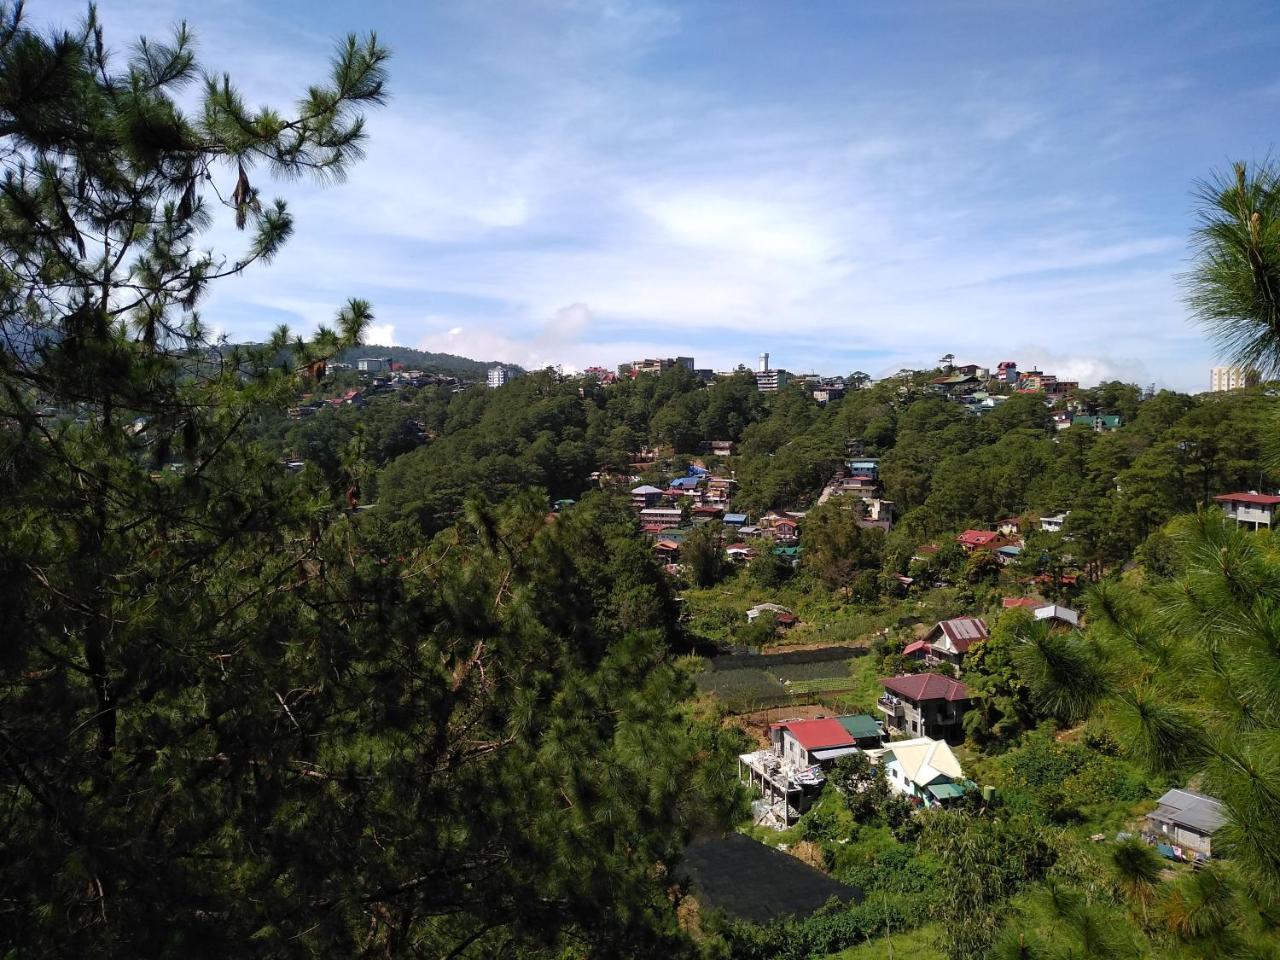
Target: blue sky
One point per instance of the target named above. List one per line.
(847, 185)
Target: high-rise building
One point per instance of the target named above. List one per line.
(498, 376)
(764, 363)
(1231, 378)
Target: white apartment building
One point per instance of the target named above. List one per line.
(1231, 378)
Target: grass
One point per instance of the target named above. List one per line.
(918, 944)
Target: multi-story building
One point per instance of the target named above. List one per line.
(657, 366)
(1231, 378)
(373, 364)
(770, 380)
(498, 376)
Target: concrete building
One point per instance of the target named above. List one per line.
(1251, 509)
(1184, 823)
(373, 364)
(498, 376)
(1222, 379)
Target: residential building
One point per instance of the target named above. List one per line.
(950, 640)
(972, 540)
(1054, 523)
(1184, 822)
(655, 366)
(922, 769)
(373, 364)
(722, 448)
(809, 743)
(864, 467)
(735, 519)
(660, 518)
(790, 773)
(645, 496)
(740, 553)
(867, 731)
(955, 385)
(498, 376)
(1222, 379)
(1007, 371)
(1099, 423)
(1250, 509)
(925, 704)
(973, 370)
(1058, 616)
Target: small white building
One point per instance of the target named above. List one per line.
(1053, 524)
(1186, 821)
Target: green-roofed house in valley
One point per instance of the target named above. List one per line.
(866, 730)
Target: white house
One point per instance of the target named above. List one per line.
(924, 770)
(1249, 509)
(1054, 523)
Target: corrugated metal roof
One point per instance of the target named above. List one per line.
(1187, 808)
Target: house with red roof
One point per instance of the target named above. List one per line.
(1012, 603)
(950, 640)
(807, 743)
(972, 540)
(925, 705)
(1250, 509)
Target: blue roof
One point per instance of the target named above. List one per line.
(1010, 551)
(684, 483)
(696, 471)
(735, 518)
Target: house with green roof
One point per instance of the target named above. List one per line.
(867, 731)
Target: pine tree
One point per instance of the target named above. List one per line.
(237, 717)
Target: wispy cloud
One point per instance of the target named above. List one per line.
(582, 181)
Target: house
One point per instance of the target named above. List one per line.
(1008, 553)
(1251, 509)
(866, 730)
(922, 769)
(973, 370)
(661, 517)
(706, 512)
(667, 549)
(1009, 527)
(1011, 603)
(1100, 423)
(1183, 823)
(1062, 420)
(810, 743)
(645, 496)
(972, 540)
(739, 553)
(777, 609)
(720, 489)
(950, 640)
(1054, 523)
(786, 530)
(722, 448)
(735, 519)
(1007, 371)
(683, 484)
(789, 774)
(1058, 616)
(955, 385)
(925, 704)
(864, 466)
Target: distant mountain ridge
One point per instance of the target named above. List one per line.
(446, 363)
